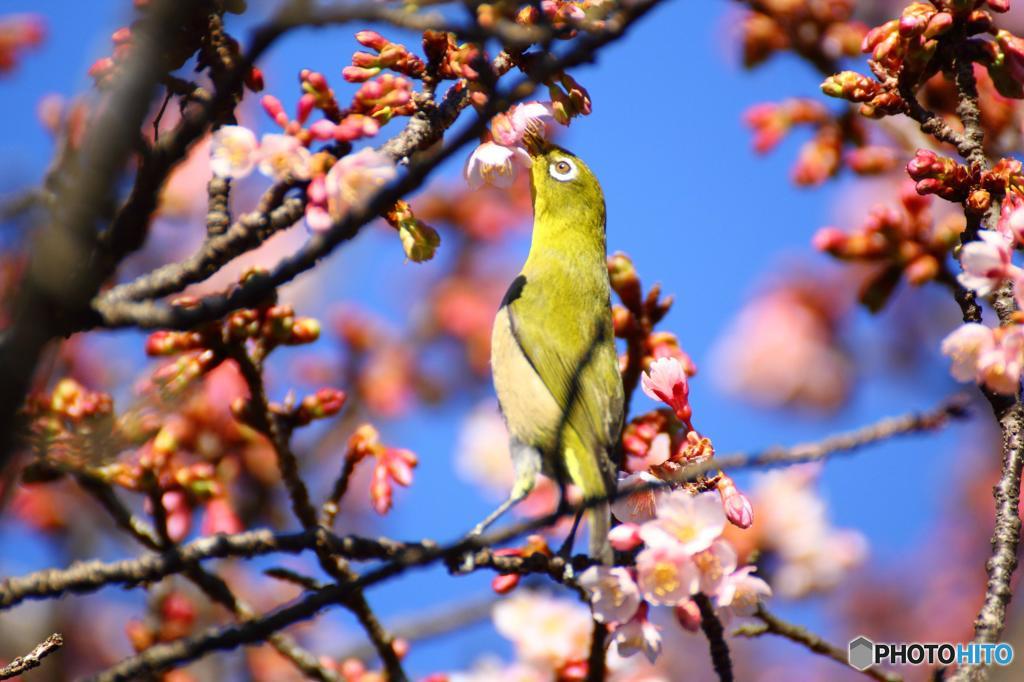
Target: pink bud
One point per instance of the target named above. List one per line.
(372, 40)
(306, 104)
(737, 507)
(505, 583)
(274, 109)
(323, 129)
(625, 537)
(220, 517)
(688, 615)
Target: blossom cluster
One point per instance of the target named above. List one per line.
(993, 357)
(683, 554)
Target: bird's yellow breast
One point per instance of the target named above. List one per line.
(530, 411)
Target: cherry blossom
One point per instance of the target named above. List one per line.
(282, 156)
(639, 506)
(544, 629)
(666, 574)
(691, 522)
(666, 381)
(354, 179)
(740, 594)
(994, 357)
(496, 160)
(614, 596)
(638, 635)
(987, 262)
(233, 153)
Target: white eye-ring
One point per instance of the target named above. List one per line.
(563, 170)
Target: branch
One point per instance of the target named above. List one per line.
(32, 659)
(162, 315)
(89, 576)
(64, 272)
(840, 444)
(713, 630)
(771, 623)
(428, 625)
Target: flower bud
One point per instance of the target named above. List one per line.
(737, 507)
(688, 615)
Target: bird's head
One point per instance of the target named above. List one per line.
(560, 180)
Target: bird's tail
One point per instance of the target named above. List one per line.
(599, 520)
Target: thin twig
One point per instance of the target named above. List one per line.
(32, 659)
(772, 624)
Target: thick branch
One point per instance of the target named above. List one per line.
(713, 630)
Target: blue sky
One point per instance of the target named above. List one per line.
(686, 198)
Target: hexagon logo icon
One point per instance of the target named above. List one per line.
(862, 653)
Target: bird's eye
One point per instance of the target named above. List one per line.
(563, 170)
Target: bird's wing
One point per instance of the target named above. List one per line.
(574, 356)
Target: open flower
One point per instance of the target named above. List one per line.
(639, 634)
(354, 179)
(614, 597)
(987, 262)
(497, 159)
(666, 575)
(714, 564)
(740, 594)
(691, 522)
(494, 164)
(665, 380)
(994, 357)
(640, 506)
(283, 156)
(544, 629)
(233, 152)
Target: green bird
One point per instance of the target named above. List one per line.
(553, 356)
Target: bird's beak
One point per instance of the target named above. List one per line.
(533, 139)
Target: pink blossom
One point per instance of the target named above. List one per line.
(714, 564)
(992, 357)
(736, 505)
(494, 164)
(220, 517)
(1000, 367)
(964, 346)
(640, 506)
(740, 594)
(987, 262)
(544, 629)
(233, 152)
(317, 217)
(283, 156)
(811, 555)
(614, 596)
(355, 178)
(666, 574)
(496, 160)
(639, 634)
(691, 522)
(625, 537)
(666, 381)
(179, 514)
(1011, 217)
(657, 454)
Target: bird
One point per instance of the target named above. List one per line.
(553, 356)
